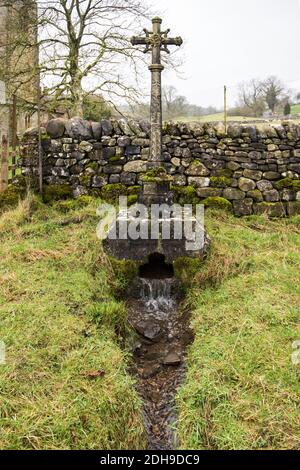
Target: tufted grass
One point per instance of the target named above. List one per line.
(65, 384)
(242, 390)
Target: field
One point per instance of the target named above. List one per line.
(242, 390)
(215, 118)
(65, 384)
(296, 110)
(219, 117)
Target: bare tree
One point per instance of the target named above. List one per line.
(251, 97)
(174, 105)
(273, 90)
(84, 48)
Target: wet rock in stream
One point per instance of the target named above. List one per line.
(159, 356)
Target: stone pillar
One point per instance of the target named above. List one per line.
(156, 159)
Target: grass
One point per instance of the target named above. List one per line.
(242, 390)
(65, 384)
(219, 117)
(214, 118)
(296, 110)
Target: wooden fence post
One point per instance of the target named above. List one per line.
(4, 164)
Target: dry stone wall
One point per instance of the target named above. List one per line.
(251, 169)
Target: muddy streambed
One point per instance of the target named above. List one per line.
(159, 354)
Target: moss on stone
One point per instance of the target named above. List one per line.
(134, 190)
(132, 199)
(220, 182)
(93, 166)
(114, 159)
(112, 192)
(57, 192)
(10, 197)
(226, 172)
(285, 183)
(288, 183)
(185, 270)
(125, 271)
(73, 204)
(185, 194)
(296, 185)
(156, 175)
(85, 180)
(217, 203)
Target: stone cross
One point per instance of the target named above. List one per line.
(156, 41)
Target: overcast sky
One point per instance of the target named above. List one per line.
(230, 41)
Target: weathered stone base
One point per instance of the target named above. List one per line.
(140, 250)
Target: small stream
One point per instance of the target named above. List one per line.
(159, 353)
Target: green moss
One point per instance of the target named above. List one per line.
(156, 175)
(285, 183)
(93, 166)
(218, 203)
(185, 194)
(57, 192)
(296, 185)
(114, 159)
(132, 199)
(256, 195)
(85, 180)
(225, 172)
(112, 192)
(185, 270)
(134, 190)
(73, 204)
(125, 271)
(11, 196)
(220, 182)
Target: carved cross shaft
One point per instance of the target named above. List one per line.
(156, 41)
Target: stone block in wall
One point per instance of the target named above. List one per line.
(252, 174)
(181, 180)
(293, 208)
(56, 128)
(138, 166)
(256, 195)
(197, 169)
(272, 196)
(287, 195)
(275, 209)
(264, 185)
(209, 192)
(295, 167)
(271, 175)
(112, 169)
(77, 128)
(129, 179)
(124, 141)
(114, 179)
(85, 146)
(246, 184)
(233, 194)
(96, 130)
(132, 150)
(198, 181)
(107, 127)
(99, 181)
(108, 152)
(243, 208)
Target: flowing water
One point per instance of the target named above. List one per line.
(159, 353)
